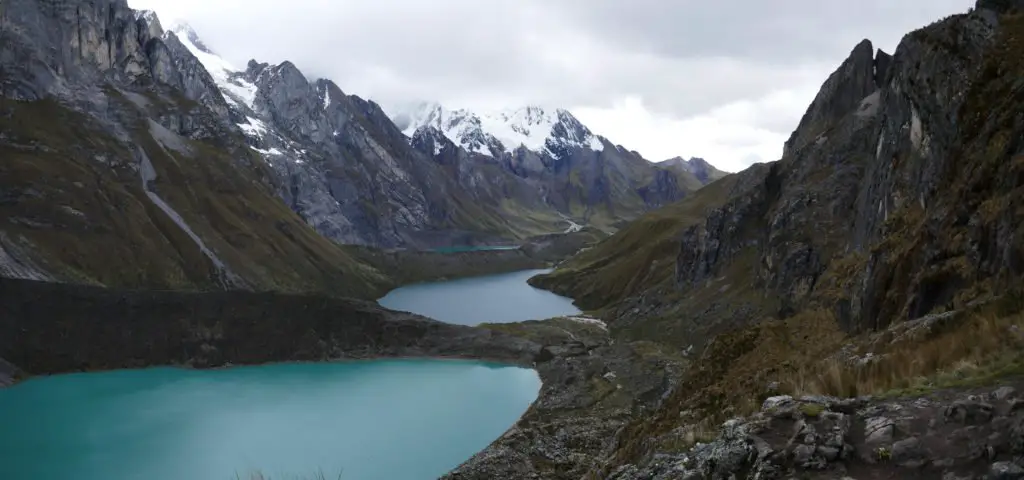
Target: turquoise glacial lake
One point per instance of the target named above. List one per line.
(502, 298)
(372, 420)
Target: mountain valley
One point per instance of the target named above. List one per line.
(851, 310)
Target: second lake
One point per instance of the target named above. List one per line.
(502, 298)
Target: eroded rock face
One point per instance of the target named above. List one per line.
(188, 75)
(58, 46)
(973, 433)
(844, 90)
(880, 144)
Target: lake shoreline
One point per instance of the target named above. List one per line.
(280, 418)
(495, 298)
(48, 328)
(10, 381)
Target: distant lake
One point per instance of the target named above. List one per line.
(501, 298)
(474, 249)
(372, 420)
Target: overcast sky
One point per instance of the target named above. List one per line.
(726, 80)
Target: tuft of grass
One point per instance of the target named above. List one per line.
(811, 409)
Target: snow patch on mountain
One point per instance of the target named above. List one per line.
(229, 79)
(493, 133)
(254, 128)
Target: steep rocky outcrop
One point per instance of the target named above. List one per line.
(120, 168)
(882, 253)
(353, 175)
(887, 151)
(844, 90)
(158, 156)
(947, 434)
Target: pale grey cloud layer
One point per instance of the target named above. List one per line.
(727, 80)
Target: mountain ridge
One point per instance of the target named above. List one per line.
(829, 314)
(616, 186)
(502, 131)
(870, 276)
(700, 168)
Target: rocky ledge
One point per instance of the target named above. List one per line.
(8, 373)
(949, 434)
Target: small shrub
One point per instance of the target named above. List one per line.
(811, 409)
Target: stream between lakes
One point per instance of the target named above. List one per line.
(368, 420)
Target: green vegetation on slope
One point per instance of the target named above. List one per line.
(639, 257)
(919, 290)
(74, 198)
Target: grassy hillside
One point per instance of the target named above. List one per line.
(637, 258)
(74, 202)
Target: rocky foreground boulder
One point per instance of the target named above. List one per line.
(952, 435)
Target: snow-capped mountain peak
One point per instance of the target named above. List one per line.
(494, 133)
(230, 80)
(185, 32)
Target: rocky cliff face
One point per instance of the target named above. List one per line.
(159, 154)
(580, 174)
(875, 256)
(886, 149)
(122, 167)
(354, 176)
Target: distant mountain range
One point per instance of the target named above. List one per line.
(493, 177)
(153, 150)
(700, 168)
(499, 133)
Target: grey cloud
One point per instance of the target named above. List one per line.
(782, 32)
(681, 57)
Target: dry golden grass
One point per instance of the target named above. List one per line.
(983, 347)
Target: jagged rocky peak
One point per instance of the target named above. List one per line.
(234, 86)
(499, 132)
(149, 22)
(429, 139)
(328, 92)
(183, 29)
(700, 168)
(253, 69)
(861, 74)
(98, 41)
